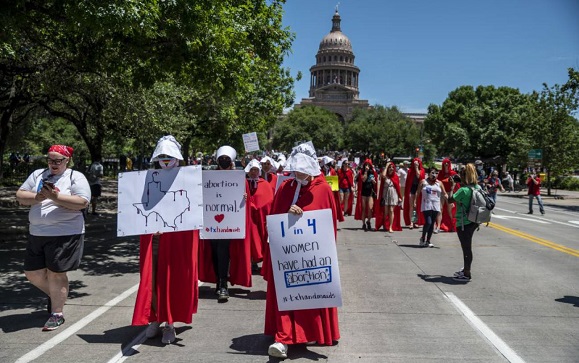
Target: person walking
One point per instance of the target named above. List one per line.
(464, 228)
(367, 185)
(430, 192)
(168, 288)
(493, 184)
(56, 196)
(346, 183)
(390, 197)
(226, 260)
(415, 176)
(446, 219)
(94, 175)
(534, 191)
(307, 192)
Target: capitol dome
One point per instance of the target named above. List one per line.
(336, 40)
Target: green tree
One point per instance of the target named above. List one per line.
(485, 122)
(308, 123)
(554, 130)
(382, 129)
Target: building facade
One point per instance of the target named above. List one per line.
(334, 79)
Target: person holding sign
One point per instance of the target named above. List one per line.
(259, 202)
(223, 260)
(308, 191)
(168, 289)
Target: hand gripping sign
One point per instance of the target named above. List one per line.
(304, 260)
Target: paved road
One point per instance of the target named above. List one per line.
(400, 302)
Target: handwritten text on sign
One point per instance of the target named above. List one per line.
(304, 260)
(223, 204)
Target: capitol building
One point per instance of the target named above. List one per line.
(334, 79)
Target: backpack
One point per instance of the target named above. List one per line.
(480, 207)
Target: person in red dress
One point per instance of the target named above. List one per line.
(223, 260)
(308, 191)
(346, 185)
(269, 171)
(411, 205)
(446, 220)
(327, 168)
(259, 202)
(389, 200)
(168, 289)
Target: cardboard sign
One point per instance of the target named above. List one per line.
(223, 204)
(304, 260)
(333, 181)
(250, 142)
(161, 200)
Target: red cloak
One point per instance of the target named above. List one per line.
(407, 187)
(339, 212)
(176, 279)
(272, 180)
(239, 253)
(300, 326)
(346, 180)
(380, 209)
(448, 222)
(259, 203)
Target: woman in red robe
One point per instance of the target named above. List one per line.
(259, 202)
(309, 191)
(346, 185)
(415, 175)
(269, 169)
(388, 214)
(168, 289)
(328, 170)
(446, 220)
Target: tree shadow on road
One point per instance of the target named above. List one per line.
(569, 300)
(17, 322)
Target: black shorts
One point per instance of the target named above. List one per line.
(56, 253)
(95, 190)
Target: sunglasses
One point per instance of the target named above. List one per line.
(55, 161)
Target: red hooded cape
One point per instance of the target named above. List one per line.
(407, 187)
(346, 180)
(300, 326)
(358, 214)
(239, 253)
(448, 222)
(380, 210)
(176, 279)
(271, 178)
(259, 201)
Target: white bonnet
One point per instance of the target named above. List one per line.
(304, 160)
(252, 164)
(167, 145)
(271, 161)
(226, 150)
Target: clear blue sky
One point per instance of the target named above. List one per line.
(412, 53)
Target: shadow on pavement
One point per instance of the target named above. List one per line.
(440, 279)
(17, 322)
(569, 300)
(122, 335)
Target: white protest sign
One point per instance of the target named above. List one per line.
(162, 200)
(250, 142)
(280, 179)
(304, 260)
(223, 204)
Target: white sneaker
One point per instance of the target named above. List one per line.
(436, 231)
(168, 334)
(430, 244)
(278, 350)
(459, 272)
(152, 330)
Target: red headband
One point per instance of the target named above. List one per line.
(62, 150)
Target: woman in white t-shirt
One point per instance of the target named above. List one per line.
(430, 190)
(57, 196)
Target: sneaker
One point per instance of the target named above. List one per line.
(459, 272)
(369, 225)
(428, 243)
(223, 295)
(421, 242)
(168, 334)
(278, 350)
(152, 330)
(436, 231)
(530, 212)
(542, 212)
(462, 278)
(53, 322)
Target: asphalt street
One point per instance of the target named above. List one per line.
(400, 303)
